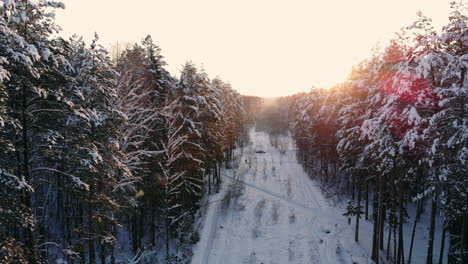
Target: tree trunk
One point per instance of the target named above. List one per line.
(353, 191)
(464, 230)
(134, 232)
(442, 246)
(209, 180)
(367, 200)
(227, 159)
(215, 172)
(80, 236)
(90, 227)
(430, 243)
(166, 227)
(321, 167)
(30, 239)
(375, 250)
(382, 223)
(112, 248)
(413, 232)
(219, 172)
(380, 215)
(358, 215)
(152, 226)
(388, 241)
(420, 209)
(141, 225)
(395, 243)
(401, 252)
(102, 253)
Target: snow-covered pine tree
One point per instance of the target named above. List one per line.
(171, 181)
(144, 87)
(187, 112)
(302, 121)
(14, 214)
(448, 133)
(327, 137)
(350, 119)
(137, 101)
(136, 98)
(101, 163)
(161, 84)
(235, 120)
(35, 101)
(214, 113)
(160, 79)
(414, 83)
(15, 217)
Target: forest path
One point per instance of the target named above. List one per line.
(276, 214)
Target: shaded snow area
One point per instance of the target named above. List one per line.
(269, 211)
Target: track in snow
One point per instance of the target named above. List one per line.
(212, 231)
(314, 210)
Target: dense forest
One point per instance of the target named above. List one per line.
(94, 150)
(394, 135)
(102, 155)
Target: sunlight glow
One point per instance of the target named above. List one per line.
(262, 47)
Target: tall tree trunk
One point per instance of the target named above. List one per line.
(380, 215)
(401, 251)
(227, 159)
(327, 168)
(214, 170)
(382, 223)
(30, 238)
(413, 232)
(209, 180)
(388, 241)
(141, 225)
(321, 166)
(81, 223)
(358, 215)
(167, 222)
(464, 231)
(152, 226)
(367, 200)
(395, 256)
(91, 252)
(430, 243)
(219, 172)
(442, 246)
(166, 227)
(353, 191)
(134, 230)
(102, 253)
(420, 209)
(112, 247)
(375, 214)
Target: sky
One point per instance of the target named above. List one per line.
(261, 47)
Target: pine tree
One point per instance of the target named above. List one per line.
(144, 87)
(188, 113)
(447, 131)
(97, 148)
(35, 99)
(172, 179)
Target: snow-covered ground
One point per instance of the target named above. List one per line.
(276, 214)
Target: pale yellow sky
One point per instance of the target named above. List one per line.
(262, 47)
